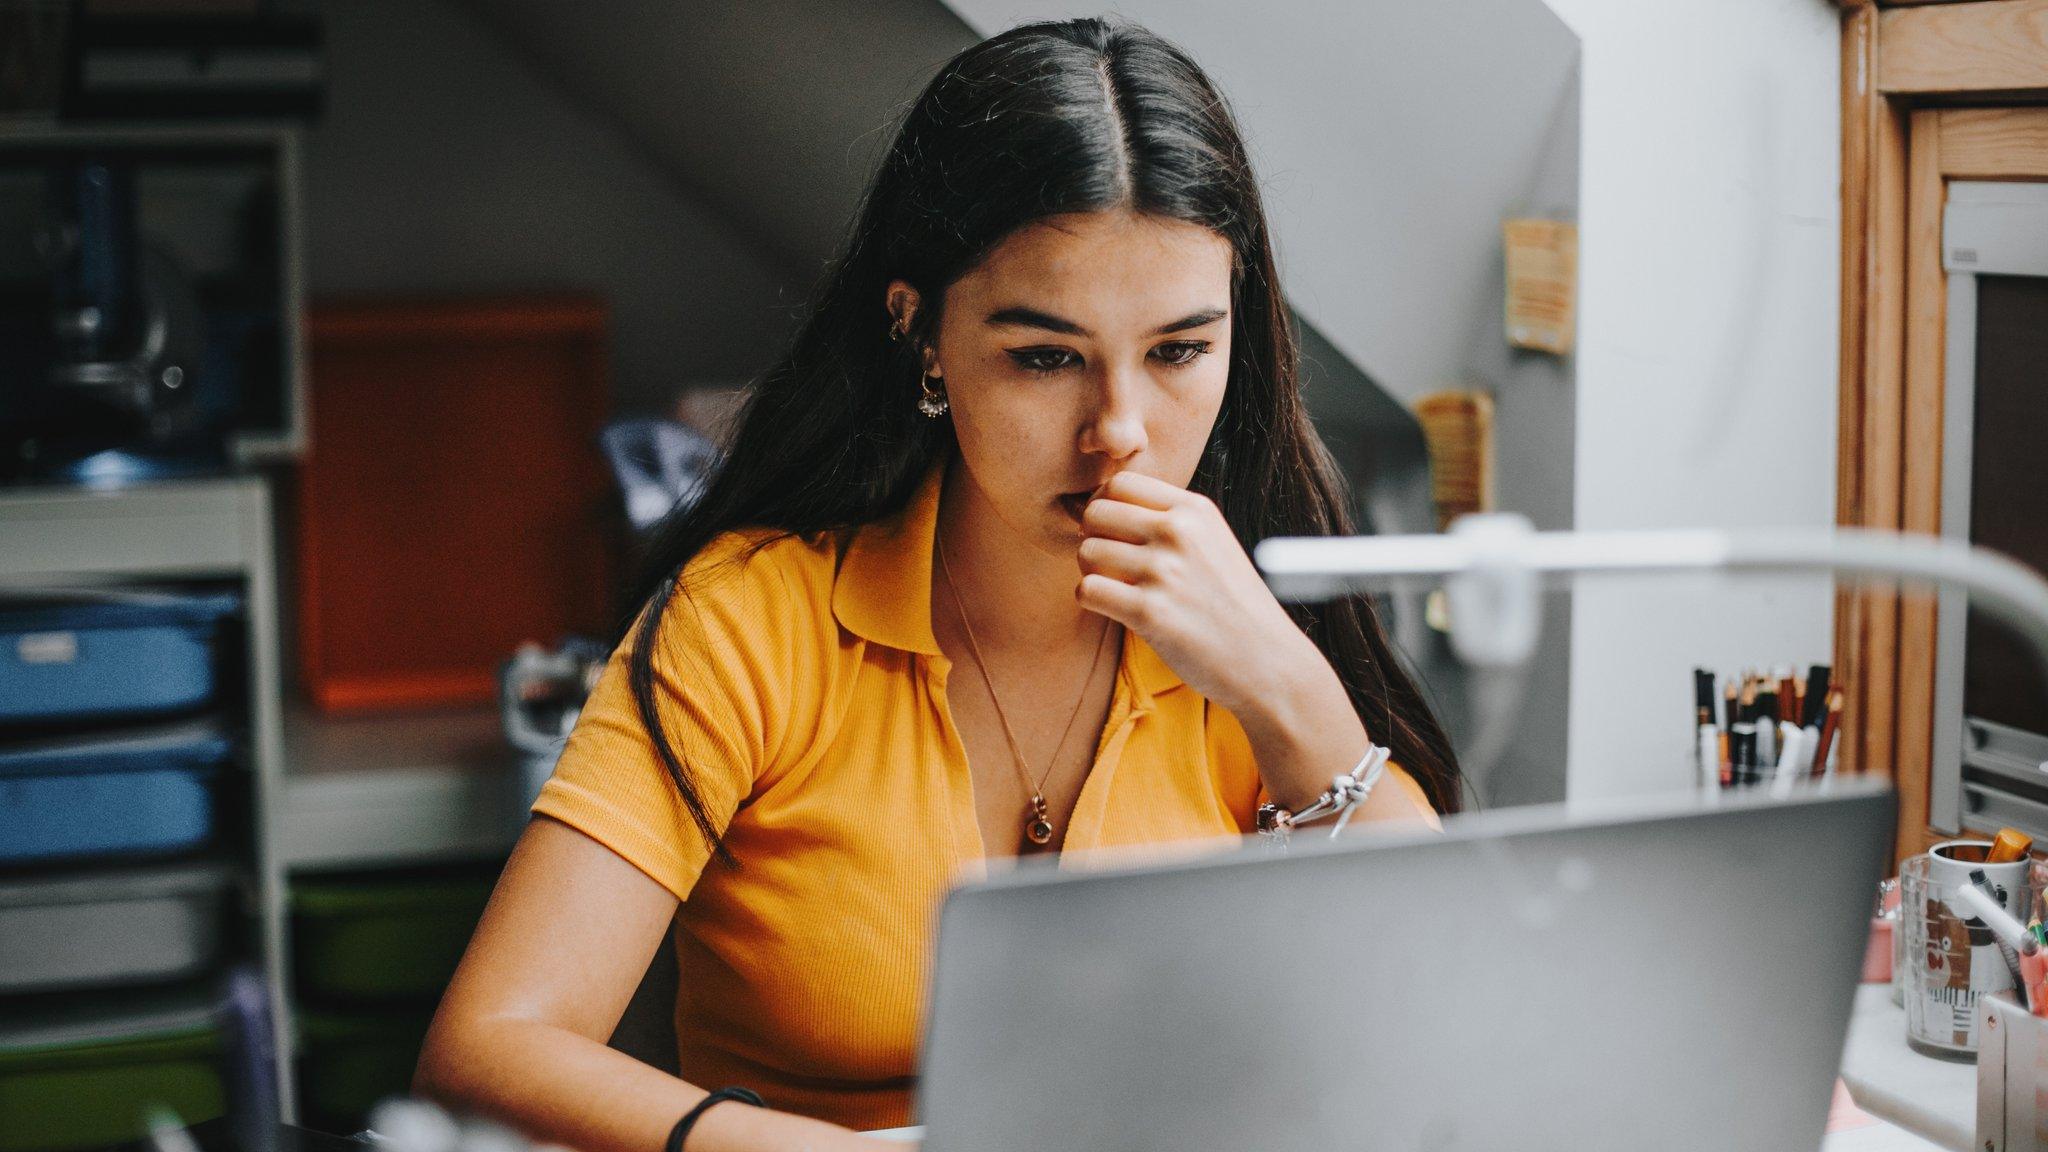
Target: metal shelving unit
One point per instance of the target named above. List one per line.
(210, 529)
(327, 793)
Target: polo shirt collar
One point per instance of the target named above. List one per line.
(883, 592)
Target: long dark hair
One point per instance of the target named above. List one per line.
(1045, 119)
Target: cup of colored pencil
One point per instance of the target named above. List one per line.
(1759, 727)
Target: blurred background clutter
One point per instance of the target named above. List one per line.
(346, 349)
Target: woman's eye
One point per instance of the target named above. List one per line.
(1043, 360)
(1182, 353)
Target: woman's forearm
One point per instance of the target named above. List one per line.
(1304, 730)
(561, 1088)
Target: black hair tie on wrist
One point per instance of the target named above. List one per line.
(681, 1131)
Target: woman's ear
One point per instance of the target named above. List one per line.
(902, 301)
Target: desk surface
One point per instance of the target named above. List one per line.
(1936, 1099)
(1914, 1098)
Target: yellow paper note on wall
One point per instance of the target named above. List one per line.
(1543, 275)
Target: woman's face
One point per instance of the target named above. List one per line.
(1084, 346)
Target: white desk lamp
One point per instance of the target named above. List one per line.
(1494, 564)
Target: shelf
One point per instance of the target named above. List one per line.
(397, 789)
(180, 528)
(1934, 1099)
(55, 537)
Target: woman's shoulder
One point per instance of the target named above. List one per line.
(763, 561)
(758, 591)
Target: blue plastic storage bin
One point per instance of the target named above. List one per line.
(94, 655)
(141, 793)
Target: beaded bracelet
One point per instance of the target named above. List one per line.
(1346, 793)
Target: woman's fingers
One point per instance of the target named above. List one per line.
(1119, 520)
(1145, 491)
(1117, 559)
(1121, 602)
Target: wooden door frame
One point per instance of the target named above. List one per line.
(1932, 91)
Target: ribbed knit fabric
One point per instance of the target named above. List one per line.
(806, 693)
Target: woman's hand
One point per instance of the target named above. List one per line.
(1161, 561)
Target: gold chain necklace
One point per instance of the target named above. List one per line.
(1038, 823)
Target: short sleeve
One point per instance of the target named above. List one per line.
(1231, 763)
(727, 677)
(1237, 772)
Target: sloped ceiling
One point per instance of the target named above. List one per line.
(1391, 138)
(772, 112)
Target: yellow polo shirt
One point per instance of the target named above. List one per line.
(805, 692)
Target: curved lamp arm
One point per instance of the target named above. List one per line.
(1494, 565)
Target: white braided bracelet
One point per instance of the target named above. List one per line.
(1346, 793)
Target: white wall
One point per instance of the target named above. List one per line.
(1707, 347)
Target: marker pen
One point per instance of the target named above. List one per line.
(1706, 738)
(2009, 845)
(1974, 903)
(1767, 729)
(1826, 751)
(1792, 752)
(1742, 753)
(1811, 715)
(2034, 975)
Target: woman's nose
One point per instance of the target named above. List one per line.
(1116, 426)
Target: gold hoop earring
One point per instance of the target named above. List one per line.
(931, 401)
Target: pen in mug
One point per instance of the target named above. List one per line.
(2008, 846)
(1767, 728)
(1813, 710)
(1745, 728)
(1742, 753)
(1980, 905)
(1792, 752)
(1727, 735)
(1706, 738)
(1792, 746)
(1824, 748)
(1702, 722)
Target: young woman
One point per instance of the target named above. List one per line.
(972, 583)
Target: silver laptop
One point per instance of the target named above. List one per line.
(1672, 974)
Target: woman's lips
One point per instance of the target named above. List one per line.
(1075, 503)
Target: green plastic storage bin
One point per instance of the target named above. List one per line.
(85, 1074)
(382, 939)
(348, 1063)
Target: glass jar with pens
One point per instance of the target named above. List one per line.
(1971, 918)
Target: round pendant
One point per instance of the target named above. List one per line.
(1039, 831)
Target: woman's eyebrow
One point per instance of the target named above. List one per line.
(1020, 317)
